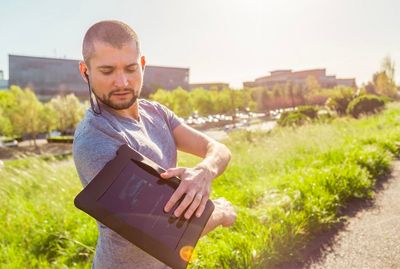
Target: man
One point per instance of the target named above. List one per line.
(113, 67)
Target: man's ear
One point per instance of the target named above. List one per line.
(142, 62)
(84, 70)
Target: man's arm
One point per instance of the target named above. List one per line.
(196, 181)
(224, 214)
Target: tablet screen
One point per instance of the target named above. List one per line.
(139, 198)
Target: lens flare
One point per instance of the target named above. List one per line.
(187, 253)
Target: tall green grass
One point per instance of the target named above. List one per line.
(287, 186)
(39, 225)
(291, 184)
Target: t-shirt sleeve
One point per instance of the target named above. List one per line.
(171, 118)
(91, 151)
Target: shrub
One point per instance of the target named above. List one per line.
(299, 116)
(309, 111)
(339, 103)
(365, 104)
(292, 118)
(61, 139)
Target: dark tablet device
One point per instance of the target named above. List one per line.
(128, 196)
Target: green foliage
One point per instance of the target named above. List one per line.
(67, 111)
(49, 117)
(202, 101)
(7, 103)
(383, 82)
(384, 85)
(301, 182)
(365, 104)
(5, 123)
(21, 113)
(297, 117)
(292, 118)
(340, 101)
(309, 111)
(61, 139)
(176, 100)
(27, 114)
(206, 102)
(162, 96)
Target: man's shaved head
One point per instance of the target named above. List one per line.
(114, 33)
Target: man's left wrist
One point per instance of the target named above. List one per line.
(209, 174)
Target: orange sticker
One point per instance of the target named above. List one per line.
(186, 253)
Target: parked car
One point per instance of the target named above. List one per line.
(9, 143)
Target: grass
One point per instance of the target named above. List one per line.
(40, 226)
(288, 186)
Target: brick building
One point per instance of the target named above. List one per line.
(209, 86)
(299, 78)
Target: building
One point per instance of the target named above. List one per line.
(3, 82)
(209, 86)
(299, 78)
(47, 77)
(168, 78)
(51, 76)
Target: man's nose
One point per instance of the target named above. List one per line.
(121, 81)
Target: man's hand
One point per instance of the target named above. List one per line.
(224, 214)
(195, 185)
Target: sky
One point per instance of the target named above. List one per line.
(219, 40)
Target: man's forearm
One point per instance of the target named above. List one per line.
(216, 159)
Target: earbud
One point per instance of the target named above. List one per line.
(91, 98)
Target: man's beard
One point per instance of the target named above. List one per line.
(106, 99)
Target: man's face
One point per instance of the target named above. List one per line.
(116, 75)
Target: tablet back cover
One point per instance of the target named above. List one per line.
(129, 196)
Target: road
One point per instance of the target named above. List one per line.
(219, 134)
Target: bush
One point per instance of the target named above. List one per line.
(61, 139)
(300, 116)
(339, 103)
(309, 111)
(365, 104)
(292, 118)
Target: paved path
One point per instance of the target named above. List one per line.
(371, 239)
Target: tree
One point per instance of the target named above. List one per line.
(312, 86)
(383, 81)
(48, 118)
(388, 66)
(68, 111)
(181, 104)
(223, 102)
(260, 98)
(5, 124)
(340, 101)
(248, 102)
(163, 97)
(384, 85)
(26, 116)
(201, 101)
(7, 102)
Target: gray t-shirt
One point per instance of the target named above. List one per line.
(96, 141)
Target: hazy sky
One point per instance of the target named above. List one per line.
(219, 40)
